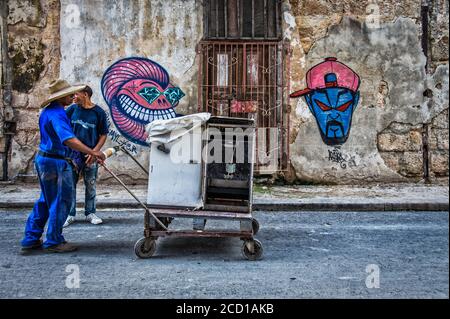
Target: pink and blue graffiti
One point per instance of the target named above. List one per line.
(332, 96)
(137, 91)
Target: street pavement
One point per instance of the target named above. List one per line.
(306, 255)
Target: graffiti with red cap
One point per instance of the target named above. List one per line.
(332, 94)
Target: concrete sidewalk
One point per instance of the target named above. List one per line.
(386, 197)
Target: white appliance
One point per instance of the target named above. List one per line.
(175, 166)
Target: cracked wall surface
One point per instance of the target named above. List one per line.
(438, 142)
(398, 95)
(33, 52)
(93, 34)
(404, 90)
(164, 31)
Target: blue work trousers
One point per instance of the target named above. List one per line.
(56, 181)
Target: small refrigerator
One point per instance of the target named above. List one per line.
(175, 166)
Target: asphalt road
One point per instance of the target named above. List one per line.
(306, 255)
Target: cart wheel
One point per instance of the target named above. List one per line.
(257, 249)
(145, 247)
(255, 226)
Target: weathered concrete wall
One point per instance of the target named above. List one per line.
(3, 50)
(404, 91)
(438, 33)
(95, 34)
(397, 95)
(33, 62)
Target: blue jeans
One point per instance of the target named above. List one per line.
(89, 173)
(56, 181)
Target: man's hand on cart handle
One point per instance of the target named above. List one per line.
(96, 155)
(99, 156)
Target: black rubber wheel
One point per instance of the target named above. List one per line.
(255, 226)
(145, 247)
(258, 250)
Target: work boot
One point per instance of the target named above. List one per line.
(64, 247)
(25, 250)
(94, 219)
(69, 220)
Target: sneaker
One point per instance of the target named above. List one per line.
(69, 220)
(25, 250)
(61, 248)
(94, 219)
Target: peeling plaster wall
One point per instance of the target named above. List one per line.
(404, 93)
(33, 59)
(385, 142)
(95, 34)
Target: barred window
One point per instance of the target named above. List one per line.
(242, 19)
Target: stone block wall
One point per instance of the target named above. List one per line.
(33, 52)
(403, 91)
(399, 129)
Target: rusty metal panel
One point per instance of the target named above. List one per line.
(210, 214)
(232, 19)
(202, 233)
(243, 19)
(227, 207)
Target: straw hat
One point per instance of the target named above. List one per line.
(59, 89)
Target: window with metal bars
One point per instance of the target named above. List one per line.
(243, 72)
(249, 79)
(242, 19)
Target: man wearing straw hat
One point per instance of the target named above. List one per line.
(54, 171)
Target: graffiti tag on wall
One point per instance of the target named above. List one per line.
(335, 155)
(120, 140)
(332, 95)
(138, 91)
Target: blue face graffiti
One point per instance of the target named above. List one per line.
(333, 109)
(332, 96)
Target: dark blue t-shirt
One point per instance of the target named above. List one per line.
(88, 124)
(55, 129)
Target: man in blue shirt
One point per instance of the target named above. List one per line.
(90, 126)
(54, 172)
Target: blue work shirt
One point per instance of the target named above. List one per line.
(88, 124)
(55, 129)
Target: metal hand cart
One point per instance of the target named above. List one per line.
(213, 181)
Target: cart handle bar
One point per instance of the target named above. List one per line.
(135, 197)
(133, 158)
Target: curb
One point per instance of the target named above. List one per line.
(353, 207)
(278, 206)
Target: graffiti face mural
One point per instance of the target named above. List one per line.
(138, 91)
(332, 95)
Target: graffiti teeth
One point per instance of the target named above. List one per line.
(140, 114)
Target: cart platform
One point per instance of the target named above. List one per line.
(249, 226)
